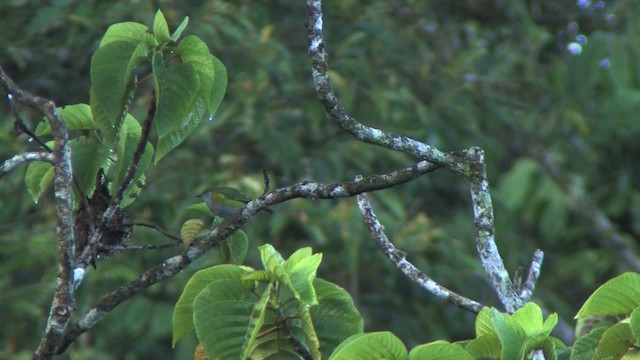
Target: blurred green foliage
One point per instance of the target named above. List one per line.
(451, 73)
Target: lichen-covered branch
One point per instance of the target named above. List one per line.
(407, 268)
(526, 292)
(468, 163)
(62, 304)
(8, 165)
(485, 234)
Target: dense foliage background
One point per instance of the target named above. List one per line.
(454, 73)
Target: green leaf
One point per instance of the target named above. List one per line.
(87, 156)
(178, 110)
(271, 258)
(189, 124)
(76, 117)
(160, 28)
(512, 336)
(238, 246)
(255, 323)
(128, 139)
(130, 32)
(615, 341)
(584, 347)
(219, 85)
(38, 177)
(371, 346)
(190, 230)
(111, 69)
(183, 25)
(222, 312)
(620, 295)
(183, 312)
(486, 346)
(211, 72)
(302, 272)
(336, 317)
(529, 318)
(634, 322)
(484, 322)
(306, 329)
(440, 350)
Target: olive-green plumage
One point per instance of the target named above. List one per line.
(225, 201)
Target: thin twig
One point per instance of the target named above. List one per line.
(155, 227)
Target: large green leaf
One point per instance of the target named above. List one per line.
(76, 117)
(620, 295)
(222, 313)
(211, 71)
(615, 341)
(178, 110)
(584, 347)
(336, 317)
(189, 124)
(183, 312)
(130, 133)
(371, 346)
(440, 350)
(111, 69)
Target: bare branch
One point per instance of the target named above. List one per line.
(10, 164)
(407, 268)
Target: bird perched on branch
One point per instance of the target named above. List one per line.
(225, 201)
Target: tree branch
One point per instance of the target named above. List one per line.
(468, 163)
(10, 164)
(63, 304)
(200, 245)
(407, 268)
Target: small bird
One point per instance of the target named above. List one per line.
(225, 201)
